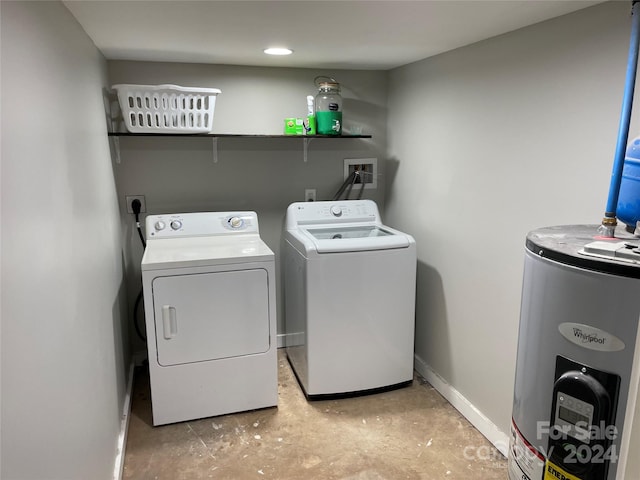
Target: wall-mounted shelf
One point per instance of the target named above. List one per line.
(222, 135)
(215, 136)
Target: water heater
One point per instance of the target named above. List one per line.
(578, 364)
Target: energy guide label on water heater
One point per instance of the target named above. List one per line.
(525, 463)
(554, 472)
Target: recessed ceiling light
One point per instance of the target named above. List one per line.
(278, 51)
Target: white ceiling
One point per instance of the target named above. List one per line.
(350, 34)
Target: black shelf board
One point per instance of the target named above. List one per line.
(228, 135)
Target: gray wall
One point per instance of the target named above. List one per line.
(264, 175)
(63, 355)
(486, 143)
(510, 134)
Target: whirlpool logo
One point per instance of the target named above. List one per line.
(590, 337)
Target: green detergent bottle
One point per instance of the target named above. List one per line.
(328, 107)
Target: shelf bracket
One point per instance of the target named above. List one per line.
(116, 149)
(214, 146)
(305, 148)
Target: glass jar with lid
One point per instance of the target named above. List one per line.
(328, 106)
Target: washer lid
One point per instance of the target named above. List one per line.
(203, 251)
(343, 238)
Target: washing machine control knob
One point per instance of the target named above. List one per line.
(176, 224)
(336, 211)
(235, 222)
(159, 225)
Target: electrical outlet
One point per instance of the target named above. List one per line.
(368, 168)
(130, 198)
(310, 195)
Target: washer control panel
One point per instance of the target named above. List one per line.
(343, 211)
(175, 225)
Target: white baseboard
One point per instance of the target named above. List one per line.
(124, 427)
(486, 427)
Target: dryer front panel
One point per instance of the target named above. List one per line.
(210, 316)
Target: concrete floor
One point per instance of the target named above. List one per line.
(410, 433)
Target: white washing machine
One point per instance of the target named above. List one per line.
(350, 287)
(209, 297)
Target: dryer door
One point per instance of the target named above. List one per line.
(210, 316)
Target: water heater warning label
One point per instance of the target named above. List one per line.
(525, 462)
(554, 472)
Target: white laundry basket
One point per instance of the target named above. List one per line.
(167, 108)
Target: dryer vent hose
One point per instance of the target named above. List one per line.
(136, 206)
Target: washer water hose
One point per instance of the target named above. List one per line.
(609, 222)
(349, 182)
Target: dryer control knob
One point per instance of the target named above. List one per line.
(336, 211)
(176, 224)
(159, 225)
(236, 222)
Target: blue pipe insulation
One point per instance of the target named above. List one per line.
(625, 117)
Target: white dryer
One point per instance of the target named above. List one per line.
(209, 297)
(350, 287)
